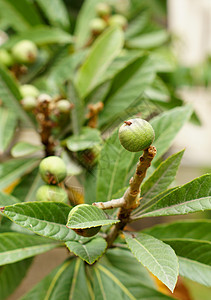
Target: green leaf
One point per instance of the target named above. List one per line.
(10, 95)
(68, 281)
(8, 122)
(24, 148)
(148, 40)
(87, 216)
(156, 256)
(21, 15)
(86, 14)
(88, 138)
(44, 218)
(73, 168)
(197, 291)
(17, 246)
(90, 251)
(162, 177)
(137, 24)
(6, 200)
(11, 276)
(191, 241)
(166, 127)
(114, 163)
(111, 283)
(191, 197)
(15, 168)
(28, 186)
(104, 50)
(127, 86)
(56, 12)
(41, 35)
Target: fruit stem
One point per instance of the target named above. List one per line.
(131, 197)
(94, 110)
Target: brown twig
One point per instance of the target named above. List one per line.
(94, 110)
(131, 197)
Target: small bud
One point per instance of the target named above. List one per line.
(52, 169)
(29, 103)
(97, 26)
(25, 52)
(103, 9)
(51, 193)
(118, 20)
(63, 106)
(6, 58)
(29, 90)
(44, 98)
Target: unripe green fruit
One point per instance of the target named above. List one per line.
(136, 135)
(29, 90)
(6, 58)
(86, 232)
(97, 26)
(118, 20)
(103, 9)
(25, 52)
(29, 103)
(63, 106)
(51, 193)
(44, 98)
(52, 169)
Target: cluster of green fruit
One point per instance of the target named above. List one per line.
(105, 18)
(53, 171)
(32, 97)
(24, 52)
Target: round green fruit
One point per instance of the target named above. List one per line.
(136, 135)
(29, 90)
(51, 193)
(97, 26)
(6, 58)
(63, 106)
(52, 169)
(44, 98)
(25, 52)
(29, 103)
(103, 9)
(118, 20)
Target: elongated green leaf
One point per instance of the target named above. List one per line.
(191, 197)
(192, 242)
(7, 199)
(156, 256)
(87, 216)
(56, 12)
(148, 40)
(24, 148)
(111, 283)
(13, 169)
(90, 251)
(127, 86)
(137, 24)
(86, 14)
(11, 276)
(8, 121)
(10, 95)
(197, 291)
(114, 163)
(28, 186)
(68, 281)
(21, 15)
(41, 35)
(44, 218)
(161, 178)
(103, 51)
(17, 246)
(88, 138)
(166, 127)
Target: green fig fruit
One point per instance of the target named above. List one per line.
(52, 169)
(51, 193)
(136, 135)
(6, 58)
(63, 106)
(29, 90)
(118, 20)
(25, 52)
(103, 9)
(97, 26)
(29, 103)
